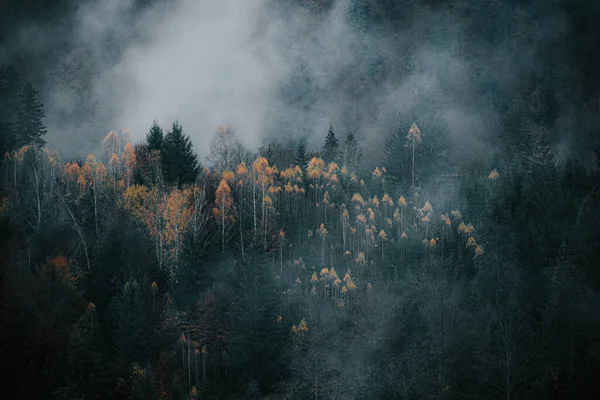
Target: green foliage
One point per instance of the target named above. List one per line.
(131, 322)
(154, 138)
(331, 147)
(180, 163)
(301, 155)
(29, 128)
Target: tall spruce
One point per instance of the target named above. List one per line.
(29, 127)
(301, 155)
(331, 146)
(180, 163)
(155, 137)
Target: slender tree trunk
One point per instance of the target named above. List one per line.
(413, 162)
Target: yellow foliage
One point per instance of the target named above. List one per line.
(375, 201)
(402, 201)
(228, 176)
(371, 214)
(494, 175)
(382, 235)
(456, 214)
(315, 168)
(242, 169)
(357, 198)
(386, 199)
(478, 251)
(325, 271)
(360, 259)
(414, 133)
(322, 230)
(446, 219)
(314, 277)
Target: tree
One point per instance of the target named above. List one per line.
(29, 127)
(224, 210)
(414, 137)
(331, 146)
(154, 138)
(180, 163)
(395, 157)
(226, 151)
(301, 155)
(351, 152)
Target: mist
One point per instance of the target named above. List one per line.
(369, 199)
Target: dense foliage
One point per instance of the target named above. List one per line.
(129, 278)
(428, 265)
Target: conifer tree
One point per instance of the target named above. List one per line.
(29, 127)
(180, 163)
(154, 137)
(331, 146)
(301, 155)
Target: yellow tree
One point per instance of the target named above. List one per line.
(95, 177)
(382, 238)
(110, 145)
(314, 172)
(263, 174)
(128, 159)
(414, 137)
(149, 207)
(224, 210)
(242, 176)
(177, 218)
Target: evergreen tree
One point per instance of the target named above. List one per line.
(301, 155)
(131, 316)
(331, 146)
(154, 138)
(180, 163)
(29, 127)
(8, 97)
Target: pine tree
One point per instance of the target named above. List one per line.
(180, 163)
(155, 137)
(29, 127)
(331, 147)
(301, 155)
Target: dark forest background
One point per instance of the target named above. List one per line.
(397, 257)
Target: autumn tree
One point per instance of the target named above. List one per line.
(414, 138)
(224, 210)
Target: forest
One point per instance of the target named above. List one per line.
(341, 262)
